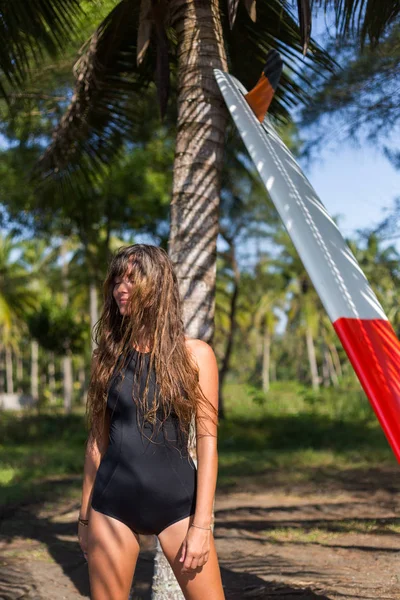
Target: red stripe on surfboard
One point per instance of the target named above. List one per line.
(374, 351)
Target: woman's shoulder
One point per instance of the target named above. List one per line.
(200, 350)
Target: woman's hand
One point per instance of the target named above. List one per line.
(83, 538)
(195, 548)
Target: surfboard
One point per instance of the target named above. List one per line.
(357, 316)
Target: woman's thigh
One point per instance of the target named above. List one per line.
(113, 549)
(198, 584)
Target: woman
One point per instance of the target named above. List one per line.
(148, 384)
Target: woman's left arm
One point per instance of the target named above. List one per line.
(197, 542)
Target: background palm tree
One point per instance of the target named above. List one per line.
(305, 309)
(17, 299)
(266, 313)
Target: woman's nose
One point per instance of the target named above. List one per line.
(124, 286)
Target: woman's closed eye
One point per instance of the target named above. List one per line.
(127, 281)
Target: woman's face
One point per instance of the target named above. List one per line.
(121, 291)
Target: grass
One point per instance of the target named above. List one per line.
(35, 448)
(294, 433)
(330, 531)
(289, 434)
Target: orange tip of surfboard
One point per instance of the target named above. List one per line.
(260, 97)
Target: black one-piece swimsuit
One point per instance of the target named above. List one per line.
(146, 484)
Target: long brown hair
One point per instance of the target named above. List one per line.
(152, 320)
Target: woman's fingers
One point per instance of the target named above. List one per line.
(203, 559)
(183, 553)
(194, 561)
(187, 565)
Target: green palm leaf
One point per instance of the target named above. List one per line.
(367, 19)
(17, 296)
(101, 114)
(30, 28)
(109, 81)
(276, 27)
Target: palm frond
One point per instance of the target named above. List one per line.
(251, 9)
(367, 19)
(144, 30)
(100, 115)
(109, 83)
(232, 10)
(363, 97)
(304, 10)
(276, 27)
(162, 76)
(29, 29)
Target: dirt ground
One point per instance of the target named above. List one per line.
(336, 538)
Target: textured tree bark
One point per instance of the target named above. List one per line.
(198, 160)
(192, 243)
(164, 586)
(312, 359)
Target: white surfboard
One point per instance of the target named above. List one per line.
(349, 300)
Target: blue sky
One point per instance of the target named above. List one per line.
(357, 183)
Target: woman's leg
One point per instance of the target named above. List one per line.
(198, 584)
(113, 549)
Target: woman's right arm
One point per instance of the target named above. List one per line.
(95, 450)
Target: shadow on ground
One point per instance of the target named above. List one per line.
(41, 559)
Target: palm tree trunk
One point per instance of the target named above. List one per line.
(198, 160)
(336, 360)
(94, 311)
(9, 371)
(192, 244)
(332, 371)
(325, 368)
(266, 359)
(312, 359)
(164, 586)
(35, 371)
